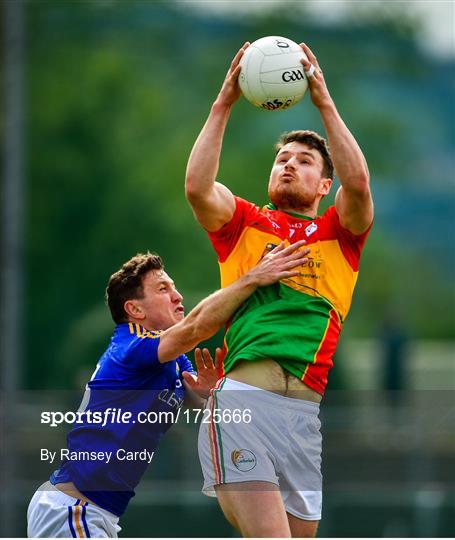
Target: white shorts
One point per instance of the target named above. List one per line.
(281, 444)
(53, 514)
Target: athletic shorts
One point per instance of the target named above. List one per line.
(54, 514)
(251, 434)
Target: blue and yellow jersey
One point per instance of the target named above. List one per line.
(297, 321)
(130, 378)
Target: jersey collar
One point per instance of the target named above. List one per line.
(271, 206)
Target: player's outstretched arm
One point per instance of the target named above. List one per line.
(353, 201)
(214, 311)
(213, 204)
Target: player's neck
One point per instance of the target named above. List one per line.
(144, 323)
(308, 212)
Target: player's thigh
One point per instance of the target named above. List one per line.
(302, 528)
(255, 508)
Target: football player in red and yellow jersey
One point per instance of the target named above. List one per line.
(280, 343)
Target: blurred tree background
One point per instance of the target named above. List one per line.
(116, 93)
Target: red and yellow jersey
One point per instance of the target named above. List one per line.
(297, 321)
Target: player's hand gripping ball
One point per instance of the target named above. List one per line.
(271, 75)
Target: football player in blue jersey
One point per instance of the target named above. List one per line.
(136, 391)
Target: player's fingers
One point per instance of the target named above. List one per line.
(305, 62)
(200, 366)
(296, 255)
(293, 264)
(302, 250)
(239, 55)
(311, 56)
(300, 255)
(234, 75)
(190, 379)
(289, 265)
(288, 274)
(278, 248)
(236, 60)
(312, 71)
(208, 360)
(293, 247)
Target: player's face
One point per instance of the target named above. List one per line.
(162, 303)
(296, 180)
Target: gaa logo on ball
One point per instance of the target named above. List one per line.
(271, 75)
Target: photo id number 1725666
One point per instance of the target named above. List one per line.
(217, 416)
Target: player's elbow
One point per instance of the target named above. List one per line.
(358, 185)
(364, 181)
(193, 190)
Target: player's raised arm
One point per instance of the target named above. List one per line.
(209, 315)
(353, 201)
(213, 203)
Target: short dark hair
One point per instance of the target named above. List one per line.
(126, 283)
(312, 140)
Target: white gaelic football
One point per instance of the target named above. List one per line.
(272, 76)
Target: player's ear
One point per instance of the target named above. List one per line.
(133, 309)
(324, 186)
